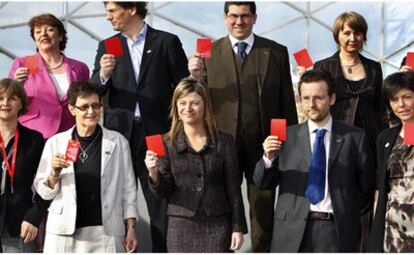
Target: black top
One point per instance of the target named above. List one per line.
(88, 180)
(20, 205)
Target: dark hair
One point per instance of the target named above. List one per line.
(394, 83)
(14, 88)
(354, 20)
(315, 76)
(142, 9)
(252, 6)
(51, 20)
(83, 89)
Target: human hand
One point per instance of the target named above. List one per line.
(406, 69)
(236, 241)
(107, 63)
(195, 65)
(130, 242)
(271, 146)
(300, 70)
(28, 232)
(153, 164)
(58, 162)
(21, 74)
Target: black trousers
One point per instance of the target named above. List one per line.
(157, 207)
(320, 236)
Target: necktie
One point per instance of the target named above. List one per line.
(315, 190)
(241, 50)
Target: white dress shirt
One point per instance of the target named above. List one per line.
(249, 40)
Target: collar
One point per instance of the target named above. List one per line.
(312, 126)
(141, 36)
(182, 146)
(249, 40)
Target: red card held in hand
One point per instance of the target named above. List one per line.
(72, 150)
(303, 58)
(409, 61)
(31, 63)
(113, 46)
(154, 143)
(409, 134)
(204, 47)
(278, 128)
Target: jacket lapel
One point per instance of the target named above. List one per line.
(108, 147)
(149, 48)
(126, 61)
(303, 142)
(262, 60)
(336, 143)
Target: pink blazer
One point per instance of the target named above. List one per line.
(47, 113)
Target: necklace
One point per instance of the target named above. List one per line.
(83, 156)
(349, 67)
(57, 65)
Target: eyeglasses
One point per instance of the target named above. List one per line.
(235, 17)
(85, 107)
(317, 99)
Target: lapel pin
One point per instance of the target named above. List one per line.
(387, 144)
(107, 152)
(149, 51)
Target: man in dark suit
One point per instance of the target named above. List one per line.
(140, 84)
(325, 173)
(249, 81)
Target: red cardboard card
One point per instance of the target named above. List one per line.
(303, 58)
(204, 47)
(154, 143)
(409, 61)
(72, 150)
(278, 128)
(113, 46)
(31, 63)
(409, 134)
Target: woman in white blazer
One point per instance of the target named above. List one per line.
(93, 205)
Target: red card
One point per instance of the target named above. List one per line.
(114, 47)
(409, 134)
(154, 143)
(204, 47)
(31, 63)
(278, 128)
(303, 58)
(72, 150)
(409, 61)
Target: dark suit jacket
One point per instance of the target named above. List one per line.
(350, 177)
(370, 111)
(385, 143)
(163, 65)
(207, 179)
(274, 84)
(19, 206)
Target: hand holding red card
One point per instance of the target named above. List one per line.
(204, 47)
(31, 63)
(113, 46)
(278, 128)
(155, 144)
(303, 58)
(409, 61)
(72, 150)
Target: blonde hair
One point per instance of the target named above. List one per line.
(354, 20)
(185, 87)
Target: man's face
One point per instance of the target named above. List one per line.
(240, 21)
(316, 102)
(120, 18)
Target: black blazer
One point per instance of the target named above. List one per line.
(351, 181)
(163, 65)
(371, 110)
(385, 143)
(209, 179)
(19, 206)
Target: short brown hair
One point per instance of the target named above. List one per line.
(51, 20)
(354, 20)
(315, 76)
(142, 9)
(83, 89)
(14, 88)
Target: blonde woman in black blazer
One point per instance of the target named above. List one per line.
(199, 176)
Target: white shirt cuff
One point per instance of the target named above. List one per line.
(267, 162)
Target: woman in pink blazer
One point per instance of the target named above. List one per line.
(47, 76)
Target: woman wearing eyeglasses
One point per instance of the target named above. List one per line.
(93, 206)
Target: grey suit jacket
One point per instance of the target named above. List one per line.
(350, 177)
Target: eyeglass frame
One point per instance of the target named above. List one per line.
(234, 17)
(94, 107)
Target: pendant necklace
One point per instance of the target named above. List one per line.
(83, 156)
(349, 67)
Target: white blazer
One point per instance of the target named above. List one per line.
(118, 188)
